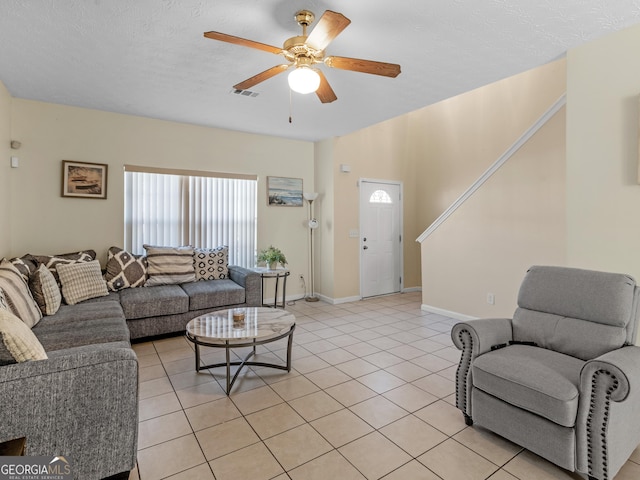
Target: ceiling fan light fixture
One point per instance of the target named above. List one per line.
(304, 80)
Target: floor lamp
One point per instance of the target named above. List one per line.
(313, 224)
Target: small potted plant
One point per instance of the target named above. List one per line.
(272, 256)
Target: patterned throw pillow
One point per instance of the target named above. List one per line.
(45, 290)
(211, 263)
(169, 265)
(125, 270)
(26, 265)
(81, 281)
(3, 301)
(52, 261)
(19, 344)
(18, 295)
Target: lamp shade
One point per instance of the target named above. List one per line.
(310, 196)
(304, 80)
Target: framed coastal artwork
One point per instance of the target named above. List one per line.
(84, 180)
(284, 192)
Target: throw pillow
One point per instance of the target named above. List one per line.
(81, 281)
(52, 261)
(26, 265)
(17, 294)
(3, 301)
(211, 263)
(19, 344)
(125, 270)
(169, 265)
(45, 290)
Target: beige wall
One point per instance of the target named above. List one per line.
(325, 213)
(517, 218)
(378, 152)
(603, 196)
(44, 222)
(5, 169)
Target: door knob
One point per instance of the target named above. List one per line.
(365, 247)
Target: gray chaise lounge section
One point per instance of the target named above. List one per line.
(82, 403)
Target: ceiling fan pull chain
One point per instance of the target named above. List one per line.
(290, 106)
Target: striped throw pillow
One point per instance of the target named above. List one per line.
(81, 281)
(45, 290)
(17, 294)
(3, 301)
(169, 265)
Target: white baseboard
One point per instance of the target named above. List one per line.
(338, 301)
(290, 298)
(411, 289)
(446, 313)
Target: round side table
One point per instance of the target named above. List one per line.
(278, 273)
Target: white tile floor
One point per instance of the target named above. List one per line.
(371, 395)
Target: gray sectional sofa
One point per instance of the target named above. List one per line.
(164, 309)
(82, 402)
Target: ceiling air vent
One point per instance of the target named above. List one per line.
(244, 93)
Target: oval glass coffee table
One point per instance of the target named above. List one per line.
(260, 325)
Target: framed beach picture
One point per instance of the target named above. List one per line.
(284, 192)
(84, 180)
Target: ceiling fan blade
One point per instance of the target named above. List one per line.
(328, 27)
(243, 42)
(364, 66)
(325, 92)
(261, 77)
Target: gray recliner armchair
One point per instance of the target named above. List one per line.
(562, 378)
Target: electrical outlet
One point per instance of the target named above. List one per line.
(491, 299)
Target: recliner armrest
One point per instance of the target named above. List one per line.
(474, 338)
(484, 333)
(608, 414)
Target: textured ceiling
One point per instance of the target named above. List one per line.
(149, 57)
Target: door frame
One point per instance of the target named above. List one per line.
(400, 184)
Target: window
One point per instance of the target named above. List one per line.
(172, 207)
(380, 196)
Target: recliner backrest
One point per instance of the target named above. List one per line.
(582, 313)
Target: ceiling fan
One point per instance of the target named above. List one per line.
(305, 51)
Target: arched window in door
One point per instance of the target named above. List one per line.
(380, 196)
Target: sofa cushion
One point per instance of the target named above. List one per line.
(169, 265)
(89, 331)
(125, 270)
(213, 293)
(211, 263)
(68, 314)
(45, 290)
(540, 381)
(153, 301)
(17, 294)
(81, 281)
(18, 343)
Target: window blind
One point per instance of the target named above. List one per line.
(201, 210)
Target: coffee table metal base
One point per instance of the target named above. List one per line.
(228, 345)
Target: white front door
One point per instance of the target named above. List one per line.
(380, 237)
